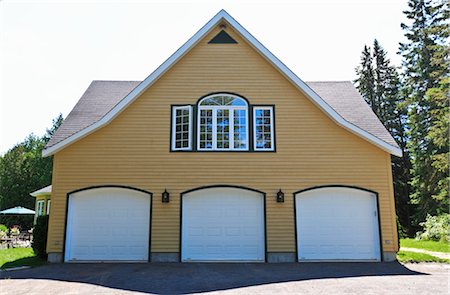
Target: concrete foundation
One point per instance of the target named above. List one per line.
(272, 257)
(55, 257)
(165, 257)
(280, 257)
(389, 256)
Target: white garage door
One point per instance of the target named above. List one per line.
(223, 224)
(337, 223)
(108, 224)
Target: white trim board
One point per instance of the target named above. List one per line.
(285, 71)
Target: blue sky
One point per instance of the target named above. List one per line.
(51, 50)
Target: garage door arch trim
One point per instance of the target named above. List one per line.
(108, 186)
(263, 194)
(294, 194)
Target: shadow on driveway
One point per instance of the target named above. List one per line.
(185, 278)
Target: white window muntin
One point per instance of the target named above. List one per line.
(272, 135)
(231, 110)
(174, 127)
(40, 208)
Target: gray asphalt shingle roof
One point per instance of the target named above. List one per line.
(101, 96)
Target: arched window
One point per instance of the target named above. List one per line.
(222, 123)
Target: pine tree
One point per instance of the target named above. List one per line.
(365, 81)
(378, 82)
(425, 64)
(439, 136)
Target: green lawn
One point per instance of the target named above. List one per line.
(14, 257)
(406, 256)
(426, 245)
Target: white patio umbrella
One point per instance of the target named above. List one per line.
(17, 211)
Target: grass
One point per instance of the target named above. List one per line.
(406, 256)
(426, 245)
(14, 257)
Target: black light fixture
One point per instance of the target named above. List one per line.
(165, 196)
(280, 196)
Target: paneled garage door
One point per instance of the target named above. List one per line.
(108, 224)
(337, 223)
(223, 224)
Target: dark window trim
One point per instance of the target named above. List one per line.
(342, 186)
(194, 110)
(251, 148)
(109, 186)
(274, 129)
(223, 92)
(222, 186)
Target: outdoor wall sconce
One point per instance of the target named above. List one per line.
(165, 196)
(280, 196)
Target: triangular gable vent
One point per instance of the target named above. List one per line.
(222, 38)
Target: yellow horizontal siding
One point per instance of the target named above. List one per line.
(134, 149)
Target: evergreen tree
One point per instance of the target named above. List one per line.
(439, 135)
(56, 123)
(425, 64)
(379, 84)
(365, 81)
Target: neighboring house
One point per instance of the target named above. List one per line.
(222, 154)
(43, 201)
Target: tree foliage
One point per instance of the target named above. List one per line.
(414, 107)
(425, 64)
(379, 84)
(22, 171)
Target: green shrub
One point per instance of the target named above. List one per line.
(3, 228)
(401, 231)
(435, 228)
(40, 236)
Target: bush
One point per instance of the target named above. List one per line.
(39, 244)
(435, 228)
(3, 228)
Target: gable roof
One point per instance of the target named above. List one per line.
(102, 96)
(55, 145)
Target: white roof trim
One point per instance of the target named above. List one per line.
(43, 191)
(150, 80)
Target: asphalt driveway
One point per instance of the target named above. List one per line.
(245, 278)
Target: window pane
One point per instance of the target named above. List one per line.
(223, 100)
(220, 133)
(182, 128)
(206, 129)
(240, 132)
(223, 129)
(263, 126)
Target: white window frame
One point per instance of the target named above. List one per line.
(231, 110)
(48, 207)
(174, 128)
(40, 205)
(272, 123)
